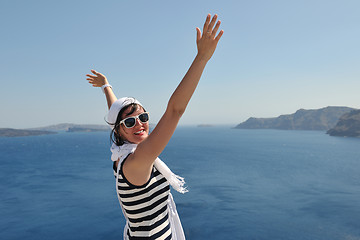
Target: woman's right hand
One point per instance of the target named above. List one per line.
(97, 80)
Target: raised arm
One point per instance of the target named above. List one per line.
(99, 80)
(206, 45)
(150, 148)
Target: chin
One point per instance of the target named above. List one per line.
(139, 139)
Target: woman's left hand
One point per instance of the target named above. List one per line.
(207, 41)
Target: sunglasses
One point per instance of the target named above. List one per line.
(130, 122)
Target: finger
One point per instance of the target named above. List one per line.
(92, 76)
(212, 23)
(216, 28)
(100, 74)
(96, 73)
(206, 24)
(198, 34)
(219, 35)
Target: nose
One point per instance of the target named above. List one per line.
(138, 122)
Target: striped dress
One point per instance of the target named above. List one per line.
(145, 206)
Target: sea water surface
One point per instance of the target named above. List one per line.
(243, 184)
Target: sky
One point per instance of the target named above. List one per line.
(275, 57)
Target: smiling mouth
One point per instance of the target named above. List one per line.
(139, 132)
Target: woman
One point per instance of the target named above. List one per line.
(142, 178)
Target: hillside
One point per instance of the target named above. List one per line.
(314, 119)
(347, 126)
(53, 129)
(11, 132)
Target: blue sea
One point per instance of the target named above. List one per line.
(243, 184)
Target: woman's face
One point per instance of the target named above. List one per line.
(139, 132)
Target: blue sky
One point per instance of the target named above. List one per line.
(275, 57)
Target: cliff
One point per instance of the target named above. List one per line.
(314, 119)
(347, 126)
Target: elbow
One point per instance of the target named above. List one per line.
(179, 112)
(175, 110)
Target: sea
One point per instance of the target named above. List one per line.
(243, 184)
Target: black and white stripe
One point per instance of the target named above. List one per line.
(146, 206)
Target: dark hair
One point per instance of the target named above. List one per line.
(114, 135)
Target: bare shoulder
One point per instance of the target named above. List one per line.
(135, 172)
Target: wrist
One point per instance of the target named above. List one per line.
(201, 58)
(105, 86)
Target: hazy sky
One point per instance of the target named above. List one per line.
(275, 57)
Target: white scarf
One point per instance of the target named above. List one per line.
(177, 182)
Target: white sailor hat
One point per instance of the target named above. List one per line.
(116, 108)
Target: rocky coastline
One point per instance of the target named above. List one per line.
(314, 119)
(347, 126)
